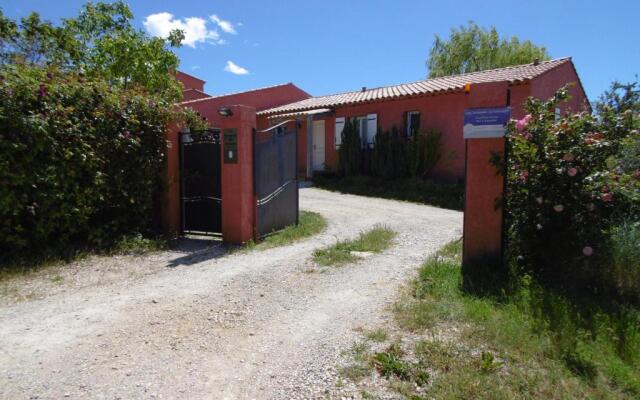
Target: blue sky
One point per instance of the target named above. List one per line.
(333, 46)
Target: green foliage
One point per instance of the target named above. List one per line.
(620, 97)
(80, 161)
(100, 42)
(309, 224)
(350, 153)
(375, 240)
(569, 182)
(389, 363)
(472, 48)
(424, 151)
(445, 195)
(389, 159)
(533, 342)
(624, 247)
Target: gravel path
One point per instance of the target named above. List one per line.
(194, 324)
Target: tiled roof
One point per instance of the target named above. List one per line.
(515, 74)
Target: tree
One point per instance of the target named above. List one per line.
(474, 48)
(101, 42)
(620, 97)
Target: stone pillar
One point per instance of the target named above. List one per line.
(238, 199)
(483, 215)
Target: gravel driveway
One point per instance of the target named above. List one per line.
(197, 324)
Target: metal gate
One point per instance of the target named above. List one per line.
(276, 183)
(201, 192)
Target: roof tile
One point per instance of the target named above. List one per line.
(512, 74)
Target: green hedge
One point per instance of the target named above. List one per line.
(80, 161)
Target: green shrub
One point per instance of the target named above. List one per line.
(424, 152)
(625, 259)
(350, 151)
(80, 161)
(569, 181)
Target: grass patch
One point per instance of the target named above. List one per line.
(375, 240)
(377, 335)
(309, 224)
(444, 195)
(530, 342)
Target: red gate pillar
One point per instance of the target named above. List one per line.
(482, 237)
(171, 195)
(238, 200)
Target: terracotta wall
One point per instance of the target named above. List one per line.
(190, 82)
(193, 94)
(545, 86)
(260, 99)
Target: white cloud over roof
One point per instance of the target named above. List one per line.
(195, 29)
(235, 68)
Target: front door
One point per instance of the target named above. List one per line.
(318, 145)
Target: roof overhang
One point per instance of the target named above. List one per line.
(299, 114)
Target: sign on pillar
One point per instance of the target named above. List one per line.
(484, 131)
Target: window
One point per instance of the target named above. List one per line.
(367, 128)
(558, 114)
(413, 122)
(338, 131)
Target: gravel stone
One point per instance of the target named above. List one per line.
(200, 324)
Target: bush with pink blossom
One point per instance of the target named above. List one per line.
(570, 183)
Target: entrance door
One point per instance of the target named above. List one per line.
(318, 145)
(201, 183)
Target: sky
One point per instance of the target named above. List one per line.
(333, 46)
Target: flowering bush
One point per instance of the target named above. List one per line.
(570, 181)
(80, 160)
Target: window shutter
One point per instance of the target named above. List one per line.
(338, 131)
(372, 128)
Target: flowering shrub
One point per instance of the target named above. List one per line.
(569, 183)
(80, 160)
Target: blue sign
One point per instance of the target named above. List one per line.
(486, 122)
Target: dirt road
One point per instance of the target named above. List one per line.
(197, 324)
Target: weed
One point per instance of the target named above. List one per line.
(375, 240)
(377, 335)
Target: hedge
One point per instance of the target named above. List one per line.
(80, 161)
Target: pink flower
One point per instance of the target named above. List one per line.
(637, 174)
(572, 171)
(607, 197)
(524, 175)
(126, 134)
(558, 208)
(42, 90)
(522, 123)
(587, 251)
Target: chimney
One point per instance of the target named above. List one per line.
(364, 88)
(536, 61)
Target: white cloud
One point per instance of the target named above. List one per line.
(235, 69)
(195, 28)
(226, 26)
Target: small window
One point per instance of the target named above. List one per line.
(361, 123)
(413, 122)
(558, 114)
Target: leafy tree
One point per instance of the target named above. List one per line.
(473, 48)
(100, 42)
(620, 97)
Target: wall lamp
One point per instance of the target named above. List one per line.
(225, 112)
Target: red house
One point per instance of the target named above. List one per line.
(437, 103)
